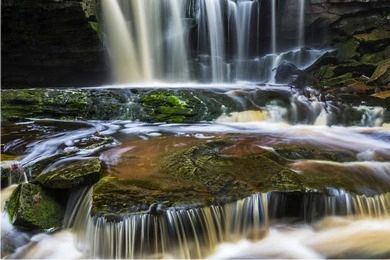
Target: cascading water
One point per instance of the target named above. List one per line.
(146, 39)
(301, 24)
(326, 176)
(151, 41)
(194, 233)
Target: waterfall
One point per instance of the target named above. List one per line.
(146, 39)
(273, 26)
(301, 24)
(216, 39)
(203, 40)
(183, 233)
(195, 232)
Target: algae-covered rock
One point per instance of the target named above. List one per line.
(61, 104)
(30, 206)
(168, 105)
(71, 175)
(225, 170)
(164, 106)
(199, 175)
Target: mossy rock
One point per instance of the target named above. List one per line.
(60, 104)
(30, 206)
(163, 106)
(215, 173)
(72, 175)
(347, 49)
(197, 176)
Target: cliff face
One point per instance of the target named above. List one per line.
(50, 43)
(359, 31)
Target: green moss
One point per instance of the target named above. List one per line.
(347, 49)
(163, 106)
(32, 207)
(72, 175)
(95, 26)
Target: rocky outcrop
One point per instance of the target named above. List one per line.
(359, 31)
(51, 43)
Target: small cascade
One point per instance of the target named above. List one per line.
(175, 232)
(195, 232)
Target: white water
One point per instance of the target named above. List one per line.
(150, 41)
(146, 39)
(301, 24)
(333, 237)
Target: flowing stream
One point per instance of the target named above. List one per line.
(219, 56)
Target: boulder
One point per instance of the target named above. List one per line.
(72, 174)
(286, 73)
(30, 206)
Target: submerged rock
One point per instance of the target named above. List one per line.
(30, 206)
(71, 175)
(195, 176)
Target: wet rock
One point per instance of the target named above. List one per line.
(169, 105)
(299, 152)
(381, 74)
(220, 171)
(30, 206)
(347, 49)
(71, 175)
(199, 175)
(89, 145)
(162, 106)
(286, 73)
(11, 173)
(378, 34)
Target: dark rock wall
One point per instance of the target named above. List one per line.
(50, 43)
(359, 31)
